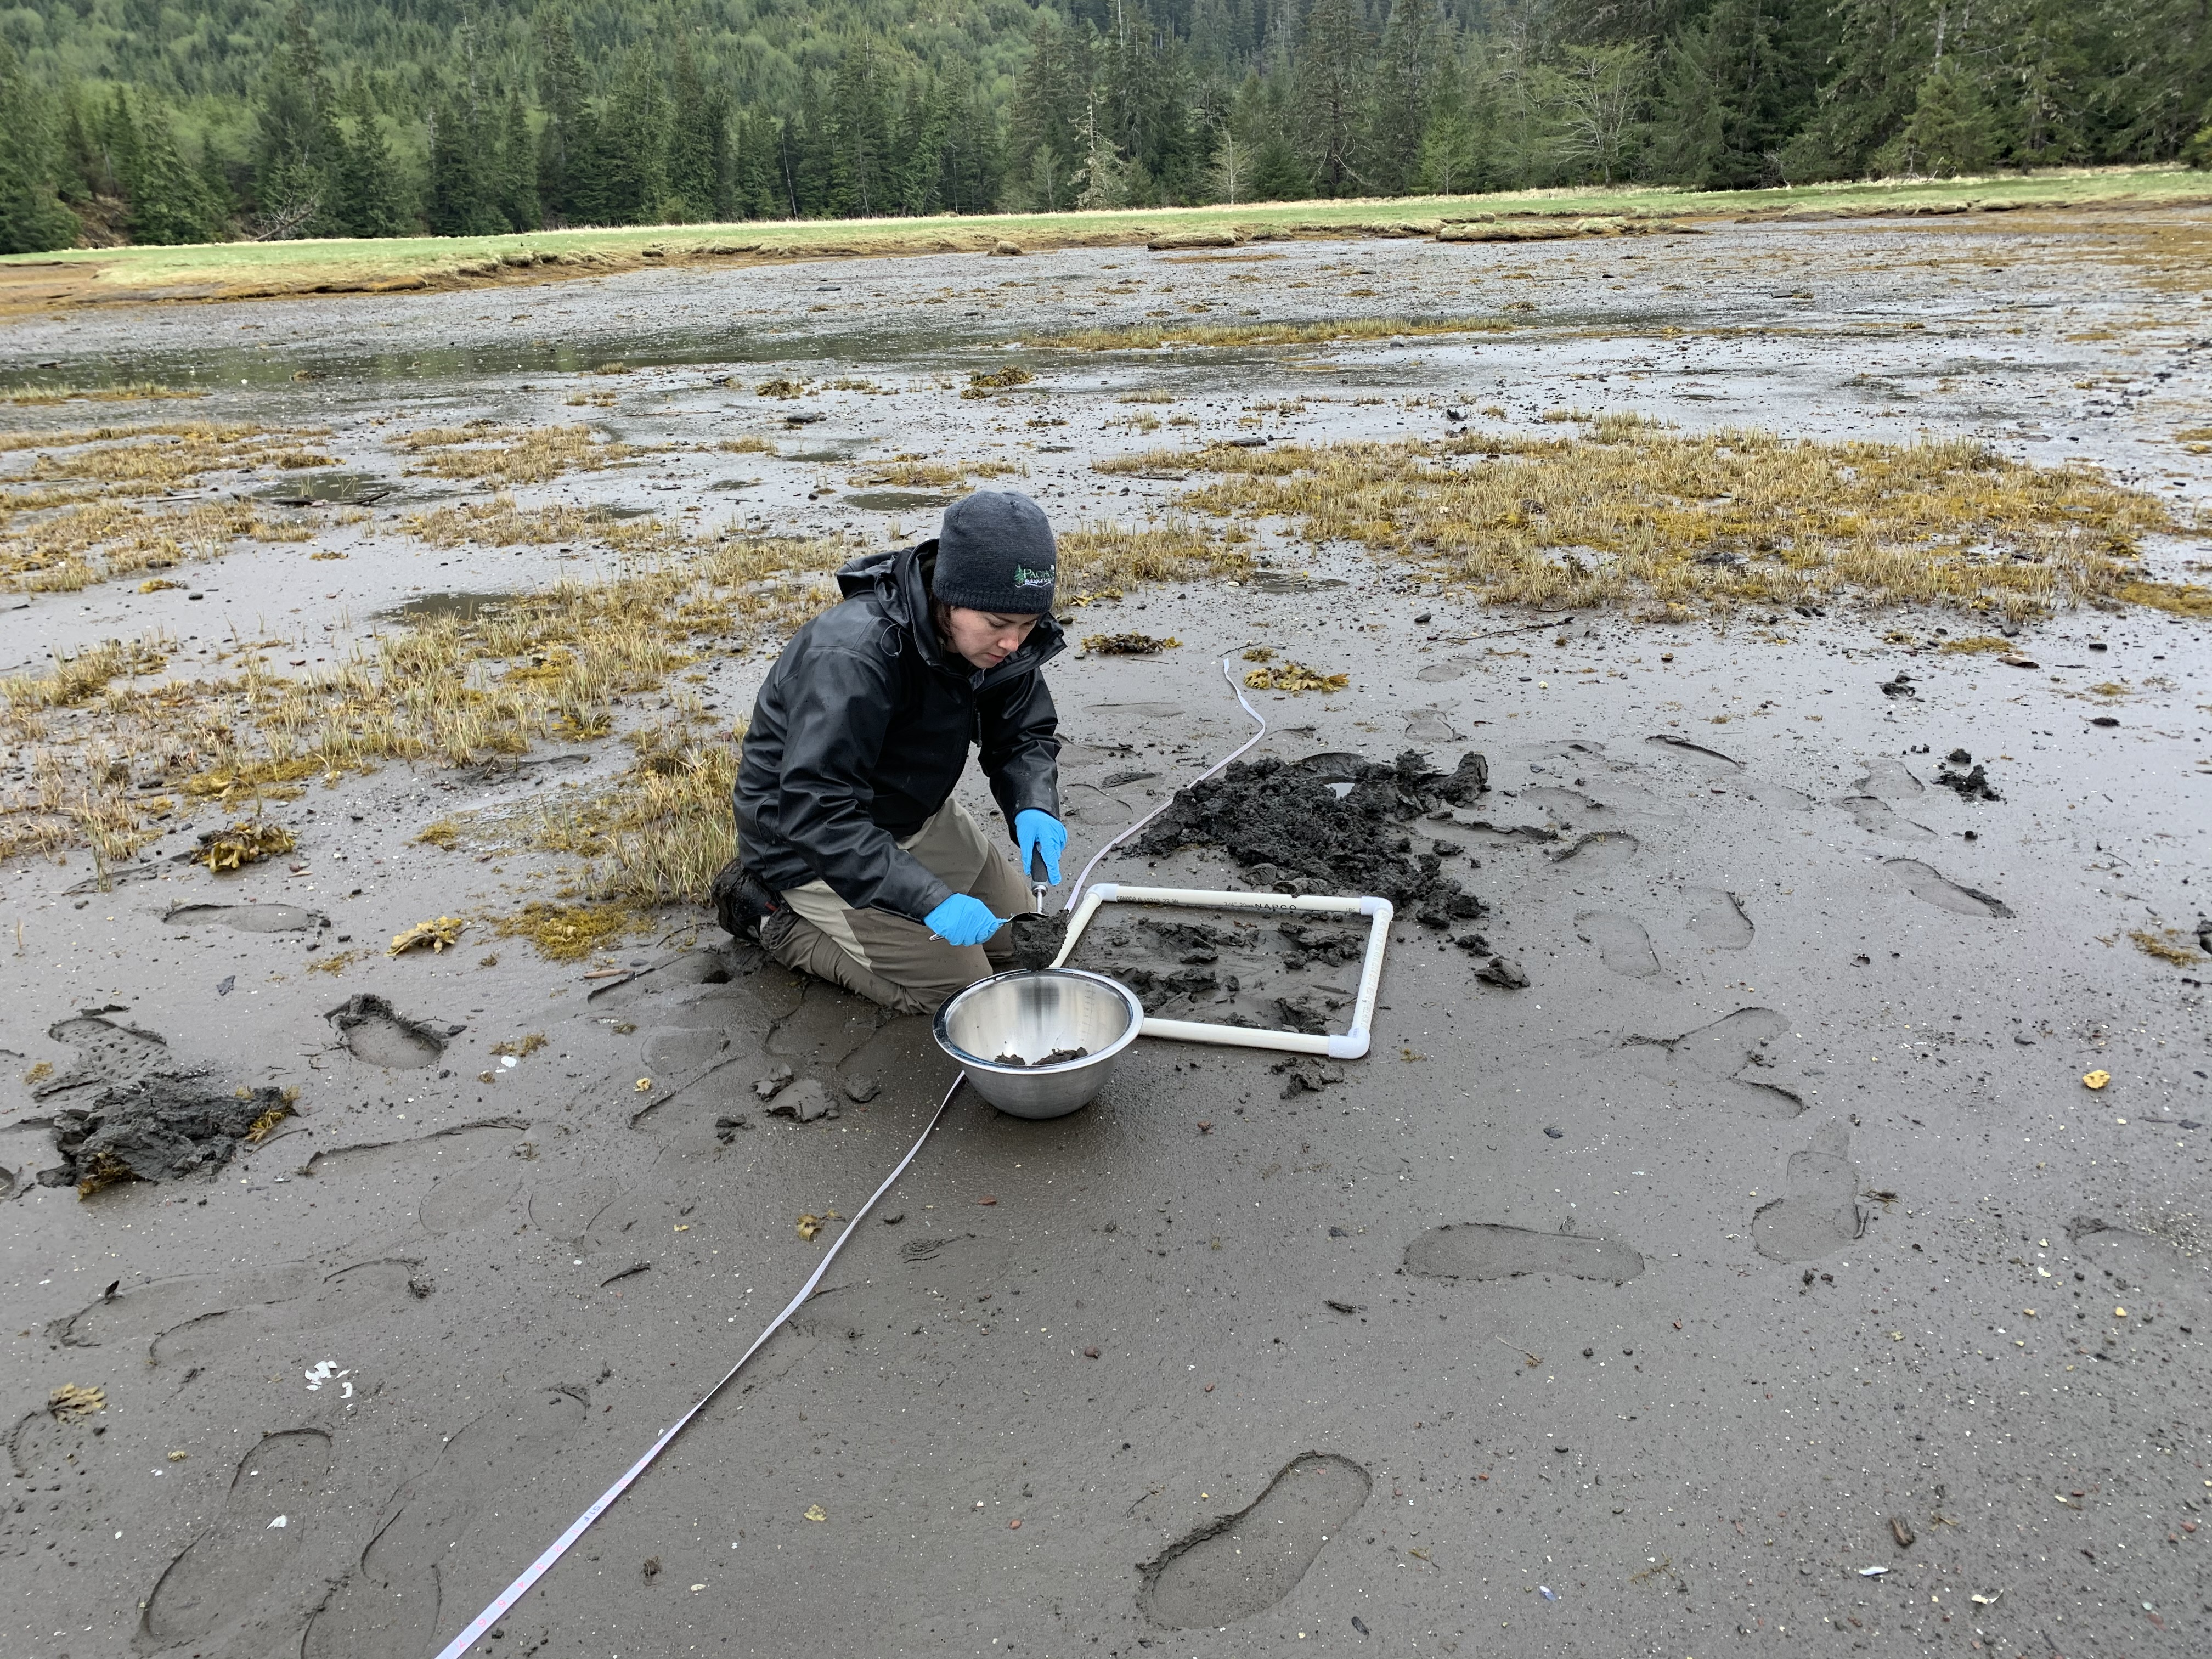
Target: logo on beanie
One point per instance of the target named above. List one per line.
(1025, 577)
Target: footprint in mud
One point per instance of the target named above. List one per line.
(1599, 852)
(1245, 1563)
(564, 1209)
(365, 1288)
(1719, 919)
(264, 1523)
(1695, 754)
(143, 1312)
(391, 1608)
(1479, 1249)
(666, 982)
(1820, 1212)
(1712, 1059)
(1875, 815)
(1622, 944)
(904, 1061)
(24, 1148)
(62, 1483)
(678, 1050)
(1890, 779)
(1779, 796)
(2146, 1275)
(1429, 726)
(248, 918)
(1559, 803)
(827, 1025)
(375, 1032)
(1926, 884)
(1451, 668)
(106, 1054)
(468, 1196)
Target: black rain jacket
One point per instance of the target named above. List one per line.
(862, 728)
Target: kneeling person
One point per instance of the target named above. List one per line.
(855, 864)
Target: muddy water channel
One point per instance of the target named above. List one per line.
(1719, 1245)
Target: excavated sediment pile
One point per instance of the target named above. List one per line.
(1291, 830)
(160, 1128)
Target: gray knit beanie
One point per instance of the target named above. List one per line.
(995, 552)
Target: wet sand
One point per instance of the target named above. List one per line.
(1768, 1237)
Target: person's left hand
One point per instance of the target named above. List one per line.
(1042, 833)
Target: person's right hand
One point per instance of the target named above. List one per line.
(963, 920)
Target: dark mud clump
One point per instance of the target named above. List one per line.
(1308, 944)
(1969, 785)
(1038, 938)
(160, 1128)
(1058, 1056)
(1333, 823)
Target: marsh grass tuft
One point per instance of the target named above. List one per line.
(2171, 946)
(72, 517)
(513, 455)
(570, 932)
(1097, 558)
(127, 392)
(918, 471)
(1633, 515)
(556, 663)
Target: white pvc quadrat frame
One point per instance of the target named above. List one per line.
(1345, 1045)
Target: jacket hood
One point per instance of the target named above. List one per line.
(899, 585)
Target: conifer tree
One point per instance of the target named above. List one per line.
(463, 196)
(698, 142)
(169, 201)
(1332, 71)
(1952, 129)
(298, 151)
(632, 148)
(515, 193)
(561, 95)
(369, 196)
(1401, 94)
(32, 217)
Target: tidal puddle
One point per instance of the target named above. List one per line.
(895, 501)
(328, 489)
(443, 607)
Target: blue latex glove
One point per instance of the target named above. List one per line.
(1044, 833)
(963, 920)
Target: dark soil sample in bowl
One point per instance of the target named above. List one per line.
(1053, 1059)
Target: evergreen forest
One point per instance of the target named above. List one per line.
(173, 121)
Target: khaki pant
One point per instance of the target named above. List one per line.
(899, 963)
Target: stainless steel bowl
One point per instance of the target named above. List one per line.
(1032, 1014)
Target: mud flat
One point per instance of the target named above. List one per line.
(1766, 1235)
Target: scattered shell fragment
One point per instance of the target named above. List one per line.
(2096, 1079)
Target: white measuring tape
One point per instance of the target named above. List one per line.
(504, 1601)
